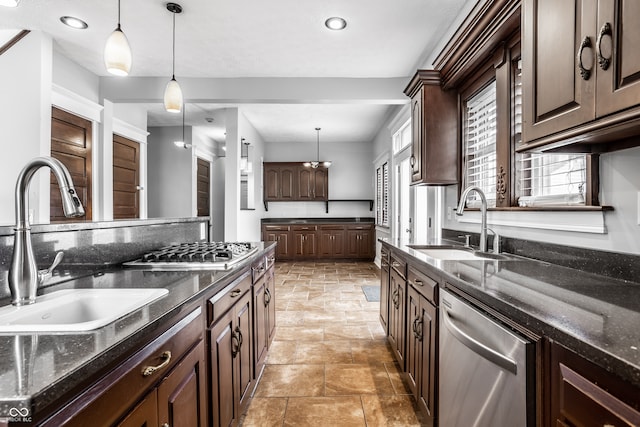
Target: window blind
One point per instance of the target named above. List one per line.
(480, 145)
(545, 179)
(382, 195)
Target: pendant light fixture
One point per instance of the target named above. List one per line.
(183, 142)
(117, 53)
(173, 93)
(316, 164)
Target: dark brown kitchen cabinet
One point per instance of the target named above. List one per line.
(264, 309)
(421, 340)
(164, 382)
(279, 181)
(434, 127)
(312, 184)
(581, 73)
(360, 241)
(384, 289)
(304, 241)
(583, 394)
(279, 234)
(397, 308)
(230, 351)
(332, 244)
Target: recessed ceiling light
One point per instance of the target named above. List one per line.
(73, 22)
(9, 3)
(335, 23)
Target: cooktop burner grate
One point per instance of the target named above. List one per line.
(198, 255)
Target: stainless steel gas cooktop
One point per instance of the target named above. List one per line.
(195, 256)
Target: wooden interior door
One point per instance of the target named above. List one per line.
(204, 187)
(126, 178)
(71, 144)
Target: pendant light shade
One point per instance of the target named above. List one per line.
(117, 52)
(173, 96)
(173, 92)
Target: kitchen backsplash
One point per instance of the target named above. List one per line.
(90, 246)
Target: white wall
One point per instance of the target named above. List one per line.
(75, 78)
(170, 173)
(25, 117)
(350, 177)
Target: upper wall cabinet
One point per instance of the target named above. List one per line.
(434, 121)
(292, 181)
(581, 75)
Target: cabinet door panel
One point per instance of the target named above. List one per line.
(555, 95)
(271, 307)
(245, 354)
(619, 84)
(416, 143)
(222, 372)
(287, 180)
(271, 183)
(260, 330)
(414, 347)
(320, 184)
(427, 386)
(305, 184)
(181, 395)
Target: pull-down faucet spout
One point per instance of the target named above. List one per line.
(483, 209)
(24, 276)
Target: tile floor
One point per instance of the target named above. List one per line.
(329, 364)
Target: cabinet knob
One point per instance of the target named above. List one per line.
(149, 370)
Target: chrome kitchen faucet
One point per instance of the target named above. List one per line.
(483, 210)
(24, 276)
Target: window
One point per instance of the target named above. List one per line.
(479, 139)
(492, 129)
(402, 138)
(382, 195)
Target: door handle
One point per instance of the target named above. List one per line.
(477, 347)
(604, 31)
(584, 72)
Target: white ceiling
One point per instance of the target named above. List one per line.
(257, 39)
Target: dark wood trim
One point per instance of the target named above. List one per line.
(592, 179)
(13, 41)
(488, 23)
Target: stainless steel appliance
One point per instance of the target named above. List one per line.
(483, 370)
(195, 256)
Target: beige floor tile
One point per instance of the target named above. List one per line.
(297, 305)
(392, 411)
(371, 352)
(291, 380)
(342, 331)
(265, 412)
(396, 378)
(344, 411)
(360, 316)
(354, 379)
(377, 330)
(312, 318)
(289, 318)
(299, 333)
(323, 352)
(282, 352)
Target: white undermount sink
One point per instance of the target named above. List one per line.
(75, 310)
(456, 254)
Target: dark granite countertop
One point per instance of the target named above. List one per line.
(36, 369)
(316, 220)
(596, 316)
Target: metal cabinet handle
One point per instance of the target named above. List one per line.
(418, 282)
(412, 161)
(235, 344)
(417, 329)
(585, 73)
(149, 370)
(267, 297)
(395, 264)
(604, 31)
(235, 293)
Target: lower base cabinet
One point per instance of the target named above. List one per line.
(166, 378)
(583, 394)
(231, 353)
(397, 289)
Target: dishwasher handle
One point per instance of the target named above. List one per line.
(478, 347)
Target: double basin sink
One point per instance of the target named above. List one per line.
(75, 310)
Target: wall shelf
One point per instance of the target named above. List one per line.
(326, 202)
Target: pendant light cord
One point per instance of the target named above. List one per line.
(184, 107)
(118, 14)
(173, 66)
(318, 144)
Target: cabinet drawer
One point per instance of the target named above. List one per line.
(360, 227)
(116, 393)
(304, 228)
(424, 284)
(338, 227)
(270, 259)
(218, 304)
(276, 227)
(399, 265)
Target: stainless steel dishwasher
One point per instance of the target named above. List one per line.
(483, 370)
